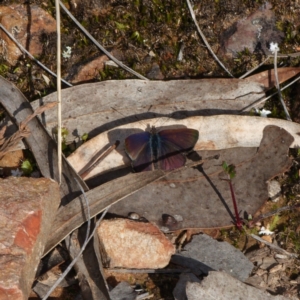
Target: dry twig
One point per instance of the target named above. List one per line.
(31, 56)
(120, 64)
(204, 38)
(58, 88)
(272, 213)
(293, 255)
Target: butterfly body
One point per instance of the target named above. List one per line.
(163, 149)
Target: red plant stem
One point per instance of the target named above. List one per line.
(238, 220)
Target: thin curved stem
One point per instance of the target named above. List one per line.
(58, 88)
(278, 87)
(101, 47)
(31, 56)
(204, 39)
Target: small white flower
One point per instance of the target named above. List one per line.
(263, 113)
(274, 47)
(67, 54)
(16, 173)
(264, 231)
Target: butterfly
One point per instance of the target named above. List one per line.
(160, 150)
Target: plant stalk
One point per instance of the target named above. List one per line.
(238, 220)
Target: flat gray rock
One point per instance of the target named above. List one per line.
(221, 286)
(204, 254)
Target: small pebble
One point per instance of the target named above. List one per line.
(133, 216)
(274, 190)
(164, 229)
(178, 218)
(168, 220)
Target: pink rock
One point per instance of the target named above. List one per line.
(88, 71)
(255, 33)
(27, 209)
(27, 27)
(132, 244)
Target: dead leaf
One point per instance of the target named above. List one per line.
(267, 78)
(215, 132)
(9, 144)
(201, 197)
(118, 102)
(38, 111)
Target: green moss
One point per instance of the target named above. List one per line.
(3, 69)
(295, 239)
(274, 222)
(137, 37)
(121, 26)
(27, 167)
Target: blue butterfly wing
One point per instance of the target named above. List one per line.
(172, 144)
(144, 162)
(138, 148)
(169, 158)
(182, 138)
(169, 147)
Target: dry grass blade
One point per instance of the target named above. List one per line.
(293, 255)
(107, 53)
(38, 111)
(95, 161)
(276, 49)
(58, 87)
(9, 144)
(261, 217)
(204, 38)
